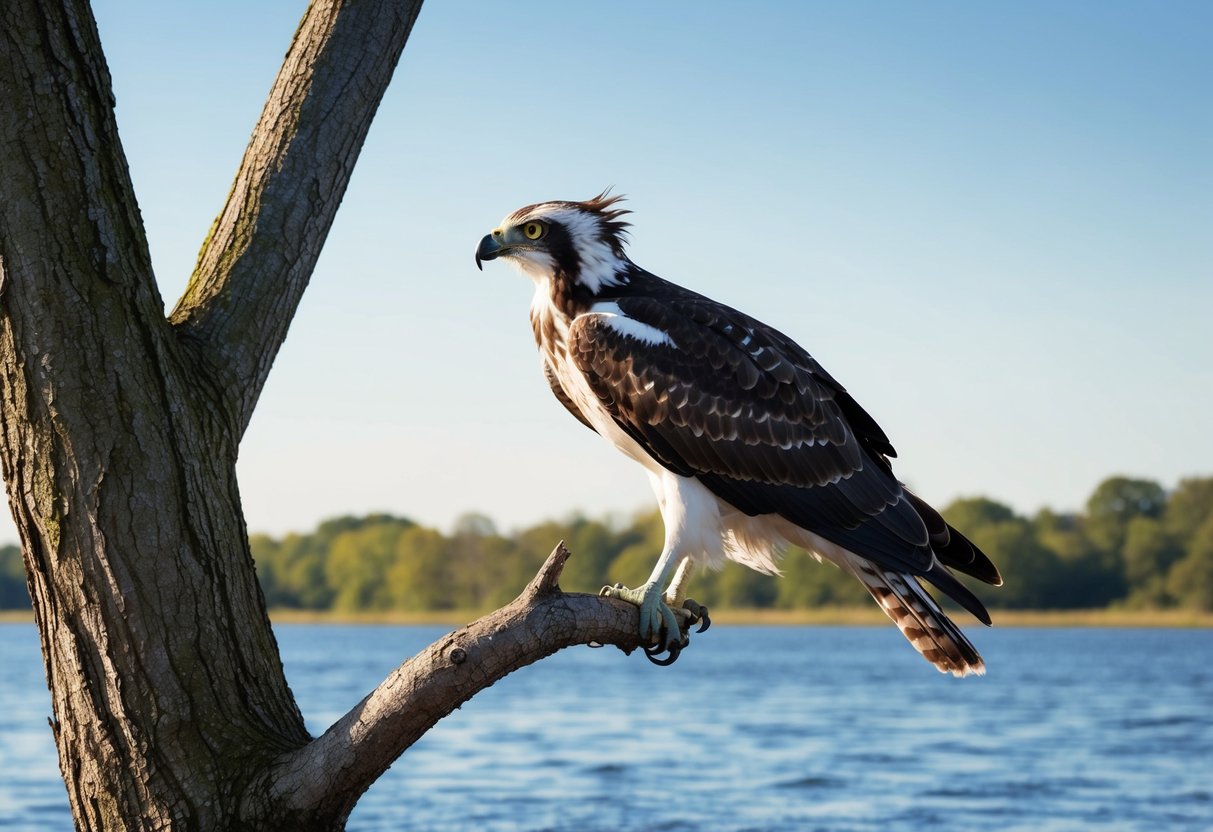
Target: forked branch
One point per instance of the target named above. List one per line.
(330, 773)
(263, 246)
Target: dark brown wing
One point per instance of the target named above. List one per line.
(754, 417)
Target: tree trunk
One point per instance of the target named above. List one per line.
(119, 431)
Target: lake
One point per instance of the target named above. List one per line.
(755, 728)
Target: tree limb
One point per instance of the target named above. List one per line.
(261, 250)
(332, 771)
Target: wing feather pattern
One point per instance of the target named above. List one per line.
(752, 415)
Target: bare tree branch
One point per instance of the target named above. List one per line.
(263, 246)
(336, 768)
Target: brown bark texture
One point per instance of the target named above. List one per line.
(119, 429)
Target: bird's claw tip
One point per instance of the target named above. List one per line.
(653, 653)
(699, 614)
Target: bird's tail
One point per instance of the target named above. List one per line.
(919, 618)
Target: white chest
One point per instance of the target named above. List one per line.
(551, 334)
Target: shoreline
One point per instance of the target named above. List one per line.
(827, 617)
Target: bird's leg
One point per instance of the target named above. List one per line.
(661, 629)
(689, 612)
(677, 590)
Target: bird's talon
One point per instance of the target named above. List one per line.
(697, 614)
(652, 653)
(665, 623)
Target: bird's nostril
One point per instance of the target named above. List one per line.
(497, 234)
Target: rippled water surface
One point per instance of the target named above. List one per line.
(753, 729)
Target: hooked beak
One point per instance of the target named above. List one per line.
(488, 249)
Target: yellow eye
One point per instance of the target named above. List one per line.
(533, 230)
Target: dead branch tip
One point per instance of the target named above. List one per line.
(546, 580)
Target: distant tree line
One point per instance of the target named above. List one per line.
(1136, 545)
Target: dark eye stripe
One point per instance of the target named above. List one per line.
(560, 247)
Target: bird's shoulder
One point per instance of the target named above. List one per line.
(652, 333)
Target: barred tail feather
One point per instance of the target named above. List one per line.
(919, 618)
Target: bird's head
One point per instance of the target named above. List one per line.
(582, 242)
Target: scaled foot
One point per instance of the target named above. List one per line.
(663, 628)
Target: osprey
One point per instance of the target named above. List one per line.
(748, 443)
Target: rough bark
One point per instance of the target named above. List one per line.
(119, 431)
(120, 473)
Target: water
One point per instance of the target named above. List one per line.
(753, 729)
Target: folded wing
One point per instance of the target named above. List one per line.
(754, 417)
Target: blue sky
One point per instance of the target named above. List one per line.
(992, 222)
